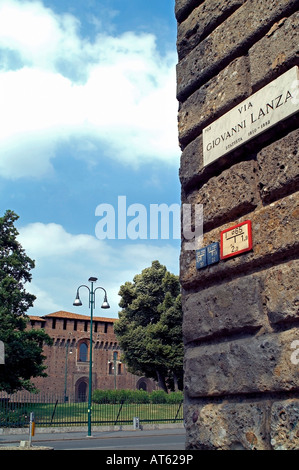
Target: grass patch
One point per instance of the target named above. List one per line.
(68, 414)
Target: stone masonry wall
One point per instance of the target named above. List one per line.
(241, 315)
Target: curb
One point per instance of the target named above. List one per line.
(78, 429)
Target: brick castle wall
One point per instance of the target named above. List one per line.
(67, 360)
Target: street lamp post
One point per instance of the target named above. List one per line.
(65, 370)
(114, 361)
(105, 304)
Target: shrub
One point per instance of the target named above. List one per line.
(116, 396)
(158, 396)
(136, 396)
(175, 397)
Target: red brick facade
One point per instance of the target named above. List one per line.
(67, 360)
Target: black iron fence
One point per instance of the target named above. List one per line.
(55, 411)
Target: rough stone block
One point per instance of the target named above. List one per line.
(275, 235)
(229, 40)
(276, 52)
(235, 306)
(260, 363)
(227, 196)
(184, 7)
(282, 293)
(213, 99)
(285, 425)
(202, 21)
(279, 167)
(227, 426)
(191, 162)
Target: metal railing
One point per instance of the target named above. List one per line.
(54, 411)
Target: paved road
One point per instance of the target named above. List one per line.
(136, 442)
(159, 439)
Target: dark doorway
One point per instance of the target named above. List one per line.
(142, 386)
(82, 391)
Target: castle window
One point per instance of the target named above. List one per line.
(83, 352)
(53, 323)
(64, 323)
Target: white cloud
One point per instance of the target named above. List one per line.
(47, 240)
(37, 34)
(65, 261)
(117, 92)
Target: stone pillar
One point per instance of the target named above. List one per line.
(241, 314)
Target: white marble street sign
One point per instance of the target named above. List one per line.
(275, 102)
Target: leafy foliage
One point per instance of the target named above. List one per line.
(136, 396)
(23, 347)
(149, 328)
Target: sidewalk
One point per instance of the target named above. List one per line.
(14, 436)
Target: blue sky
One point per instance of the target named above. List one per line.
(88, 113)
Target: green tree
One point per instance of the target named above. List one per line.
(168, 332)
(149, 328)
(23, 347)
